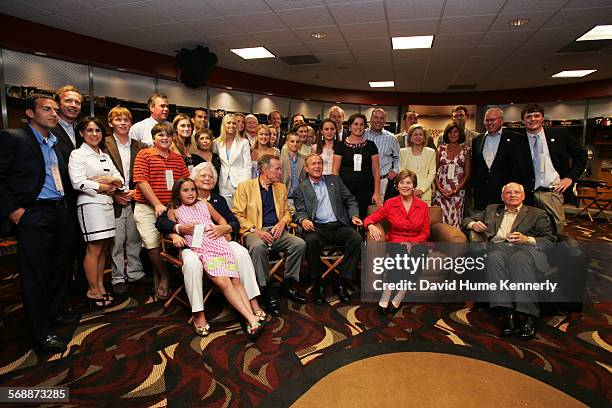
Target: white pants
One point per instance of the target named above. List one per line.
(193, 272)
(383, 188)
(126, 235)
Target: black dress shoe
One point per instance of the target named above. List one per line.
(509, 328)
(528, 330)
(318, 295)
(381, 310)
(272, 306)
(290, 293)
(392, 309)
(343, 294)
(51, 344)
(68, 318)
(120, 289)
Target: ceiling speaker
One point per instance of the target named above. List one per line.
(195, 65)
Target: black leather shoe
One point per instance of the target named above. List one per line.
(528, 330)
(318, 294)
(51, 344)
(272, 306)
(509, 328)
(120, 289)
(343, 294)
(290, 293)
(392, 309)
(68, 318)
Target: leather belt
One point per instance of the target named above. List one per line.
(545, 189)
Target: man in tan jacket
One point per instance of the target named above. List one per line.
(260, 205)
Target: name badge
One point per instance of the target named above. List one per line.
(357, 160)
(169, 180)
(451, 171)
(542, 163)
(57, 178)
(198, 236)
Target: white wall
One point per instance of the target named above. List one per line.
(267, 103)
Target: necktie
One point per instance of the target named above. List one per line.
(537, 149)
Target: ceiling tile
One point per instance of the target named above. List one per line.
(137, 14)
(586, 3)
(236, 41)
(452, 40)
(409, 9)
(215, 27)
(412, 55)
(233, 7)
(96, 19)
(68, 25)
(404, 28)
(558, 35)
(328, 47)
(365, 30)
(304, 17)
(461, 8)
(256, 22)
(362, 13)
(451, 54)
(333, 34)
(523, 6)
(185, 9)
(492, 50)
(370, 44)
(465, 24)
(288, 5)
(57, 7)
(381, 57)
(339, 57)
(276, 37)
(586, 17)
(21, 9)
(283, 50)
(506, 37)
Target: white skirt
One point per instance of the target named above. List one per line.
(97, 221)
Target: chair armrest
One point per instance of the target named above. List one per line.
(166, 254)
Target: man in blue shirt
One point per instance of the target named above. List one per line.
(33, 176)
(327, 211)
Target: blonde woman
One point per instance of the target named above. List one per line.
(235, 154)
(421, 160)
(263, 145)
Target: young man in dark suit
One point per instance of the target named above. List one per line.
(327, 211)
(543, 163)
(521, 232)
(33, 177)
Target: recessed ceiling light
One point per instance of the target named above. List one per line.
(42, 54)
(252, 53)
(338, 102)
(577, 73)
(406, 43)
(382, 84)
(121, 69)
(517, 22)
(270, 94)
(229, 87)
(600, 32)
(319, 35)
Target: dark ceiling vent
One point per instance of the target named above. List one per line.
(461, 87)
(300, 59)
(584, 46)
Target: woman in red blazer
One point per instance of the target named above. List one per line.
(408, 218)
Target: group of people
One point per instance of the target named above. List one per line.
(251, 183)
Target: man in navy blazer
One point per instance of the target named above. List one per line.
(326, 210)
(33, 177)
(543, 163)
(492, 160)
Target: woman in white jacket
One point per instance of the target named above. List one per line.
(94, 175)
(235, 154)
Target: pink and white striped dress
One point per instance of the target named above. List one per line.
(215, 254)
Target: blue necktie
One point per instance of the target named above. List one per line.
(537, 149)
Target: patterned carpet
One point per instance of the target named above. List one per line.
(140, 354)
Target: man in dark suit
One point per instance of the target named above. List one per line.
(275, 119)
(123, 150)
(521, 232)
(336, 114)
(543, 163)
(325, 208)
(492, 160)
(33, 175)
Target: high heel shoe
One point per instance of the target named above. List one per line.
(261, 315)
(202, 331)
(381, 310)
(98, 303)
(253, 330)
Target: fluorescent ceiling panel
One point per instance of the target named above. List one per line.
(407, 43)
(252, 53)
(578, 73)
(600, 32)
